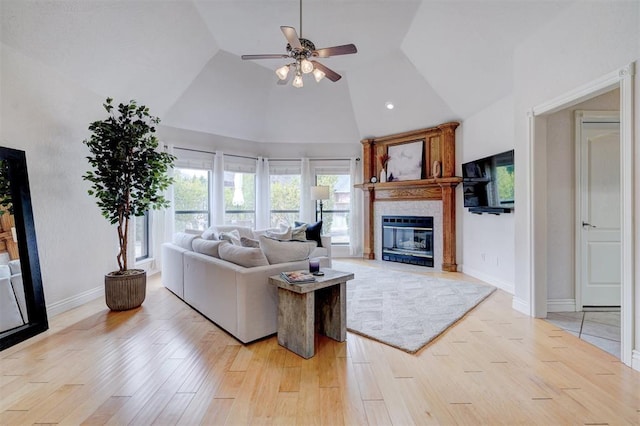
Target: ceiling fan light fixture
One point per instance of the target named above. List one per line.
(297, 81)
(318, 74)
(306, 66)
(389, 105)
(283, 72)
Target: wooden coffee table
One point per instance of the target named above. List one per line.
(305, 308)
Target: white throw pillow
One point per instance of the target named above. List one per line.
(208, 247)
(210, 234)
(243, 256)
(283, 233)
(299, 233)
(285, 251)
(249, 242)
(232, 236)
(14, 266)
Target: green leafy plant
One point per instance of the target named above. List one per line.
(129, 175)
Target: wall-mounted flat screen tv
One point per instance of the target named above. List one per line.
(488, 184)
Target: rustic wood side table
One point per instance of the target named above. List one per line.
(305, 307)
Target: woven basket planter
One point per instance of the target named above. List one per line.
(123, 292)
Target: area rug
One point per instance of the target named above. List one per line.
(403, 309)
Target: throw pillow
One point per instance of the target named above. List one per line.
(314, 231)
(210, 234)
(299, 233)
(208, 247)
(243, 256)
(281, 234)
(248, 242)
(232, 236)
(184, 240)
(278, 251)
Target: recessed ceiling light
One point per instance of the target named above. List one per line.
(389, 105)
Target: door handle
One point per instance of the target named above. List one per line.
(588, 224)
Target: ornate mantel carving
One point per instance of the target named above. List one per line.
(438, 153)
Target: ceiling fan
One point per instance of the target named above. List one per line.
(302, 50)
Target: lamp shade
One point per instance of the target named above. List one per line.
(319, 193)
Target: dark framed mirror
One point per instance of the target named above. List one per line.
(23, 312)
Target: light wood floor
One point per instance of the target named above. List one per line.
(165, 364)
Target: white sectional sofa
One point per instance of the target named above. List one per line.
(239, 299)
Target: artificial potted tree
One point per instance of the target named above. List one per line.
(128, 178)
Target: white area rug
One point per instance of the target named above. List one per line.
(403, 309)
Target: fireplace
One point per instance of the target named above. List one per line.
(408, 239)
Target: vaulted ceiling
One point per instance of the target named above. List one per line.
(435, 60)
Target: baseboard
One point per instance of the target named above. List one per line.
(521, 305)
(561, 305)
(635, 360)
(74, 301)
(502, 285)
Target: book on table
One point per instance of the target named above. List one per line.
(297, 277)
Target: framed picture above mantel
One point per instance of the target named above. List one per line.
(405, 161)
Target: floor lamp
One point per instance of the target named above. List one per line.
(319, 193)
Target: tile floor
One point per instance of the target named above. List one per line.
(601, 329)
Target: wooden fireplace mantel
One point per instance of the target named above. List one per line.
(438, 182)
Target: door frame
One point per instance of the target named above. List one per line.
(585, 116)
(621, 78)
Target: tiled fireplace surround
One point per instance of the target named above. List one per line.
(410, 208)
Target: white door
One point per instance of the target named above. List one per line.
(599, 216)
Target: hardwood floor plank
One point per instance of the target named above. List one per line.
(106, 410)
(164, 363)
(377, 413)
(174, 409)
(197, 409)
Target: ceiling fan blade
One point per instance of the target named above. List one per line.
(292, 37)
(345, 49)
(267, 56)
(328, 72)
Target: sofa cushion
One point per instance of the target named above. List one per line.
(232, 236)
(313, 231)
(278, 251)
(184, 240)
(208, 247)
(249, 242)
(244, 231)
(243, 256)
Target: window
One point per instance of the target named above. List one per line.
(336, 210)
(191, 199)
(285, 198)
(141, 224)
(240, 198)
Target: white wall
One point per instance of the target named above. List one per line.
(584, 42)
(47, 115)
(561, 196)
(486, 241)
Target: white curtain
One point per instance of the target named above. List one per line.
(263, 198)
(355, 214)
(161, 224)
(307, 213)
(217, 190)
